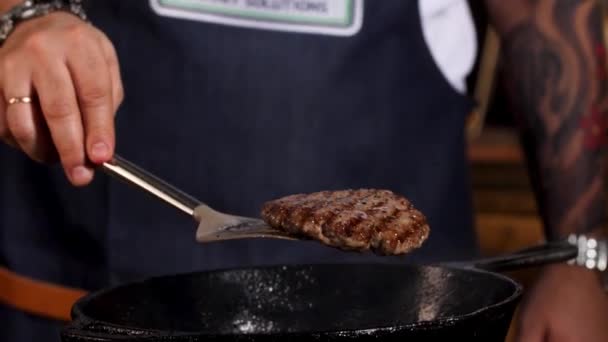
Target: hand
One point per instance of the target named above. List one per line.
(567, 304)
(71, 71)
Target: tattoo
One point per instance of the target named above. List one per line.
(556, 64)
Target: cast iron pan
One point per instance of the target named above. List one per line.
(316, 302)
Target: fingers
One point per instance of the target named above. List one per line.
(45, 149)
(59, 105)
(27, 132)
(22, 126)
(73, 70)
(18, 117)
(5, 133)
(114, 67)
(93, 84)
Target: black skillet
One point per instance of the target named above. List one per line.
(464, 301)
(321, 302)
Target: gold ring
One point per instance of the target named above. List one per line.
(20, 99)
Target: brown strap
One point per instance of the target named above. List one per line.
(484, 85)
(37, 297)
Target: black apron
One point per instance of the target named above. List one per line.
(238, 116)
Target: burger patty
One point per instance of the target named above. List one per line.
(364, 219)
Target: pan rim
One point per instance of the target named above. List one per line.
(80, 319)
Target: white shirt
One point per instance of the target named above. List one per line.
(449, 31)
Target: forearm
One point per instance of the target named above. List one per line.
(554, 57)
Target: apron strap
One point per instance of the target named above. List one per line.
(37, 297)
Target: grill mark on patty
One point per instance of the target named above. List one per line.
(336, 213)
(385, 220)
(300, 219)
(361, 219)
(371, 212)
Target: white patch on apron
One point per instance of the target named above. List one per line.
(328, 17)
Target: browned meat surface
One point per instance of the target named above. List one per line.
(365, 219)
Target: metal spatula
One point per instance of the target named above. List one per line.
(212, 224)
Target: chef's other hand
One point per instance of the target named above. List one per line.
(70, 71)
(567, 304)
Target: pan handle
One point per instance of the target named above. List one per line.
(128, 172)
(553, 252)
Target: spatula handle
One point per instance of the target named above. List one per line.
(128, 172)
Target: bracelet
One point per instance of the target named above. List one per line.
(592, 253)
(29, 9)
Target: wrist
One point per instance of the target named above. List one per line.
(571, 273)
(29, 9)
(6, 5)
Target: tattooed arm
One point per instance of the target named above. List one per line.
(555, 61)
(554, 58)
